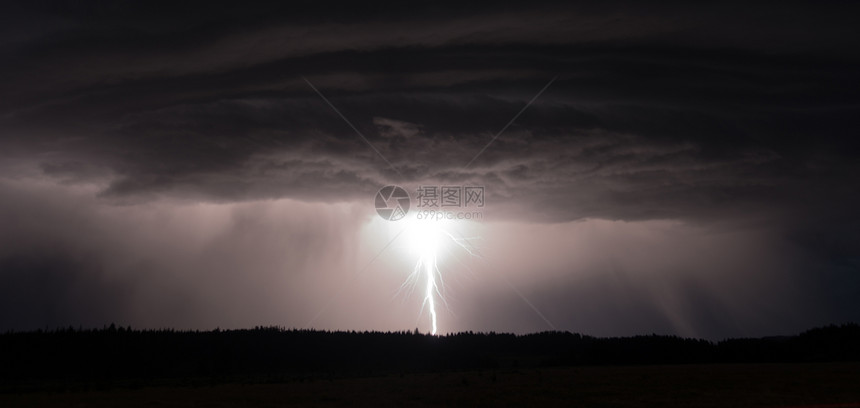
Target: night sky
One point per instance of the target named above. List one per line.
(671, 169)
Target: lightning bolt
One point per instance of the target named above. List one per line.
(426, 241)
(430, 270)
(427, 268)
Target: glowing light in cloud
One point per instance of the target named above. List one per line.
(427, 239)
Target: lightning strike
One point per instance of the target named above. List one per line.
(430, 270)
(426, 240)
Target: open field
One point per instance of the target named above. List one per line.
(717, 385)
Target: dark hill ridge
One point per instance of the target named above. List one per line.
(111, 356)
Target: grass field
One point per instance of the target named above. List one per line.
(719, 385)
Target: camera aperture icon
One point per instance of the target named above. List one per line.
(392, 203)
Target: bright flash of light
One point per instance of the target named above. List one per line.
(427, 262)
(426, 239)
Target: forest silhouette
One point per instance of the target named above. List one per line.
(120, 356)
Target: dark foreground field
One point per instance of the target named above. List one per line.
(272, 367)
(715, 385)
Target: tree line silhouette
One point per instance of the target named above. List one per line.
(120, 355)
